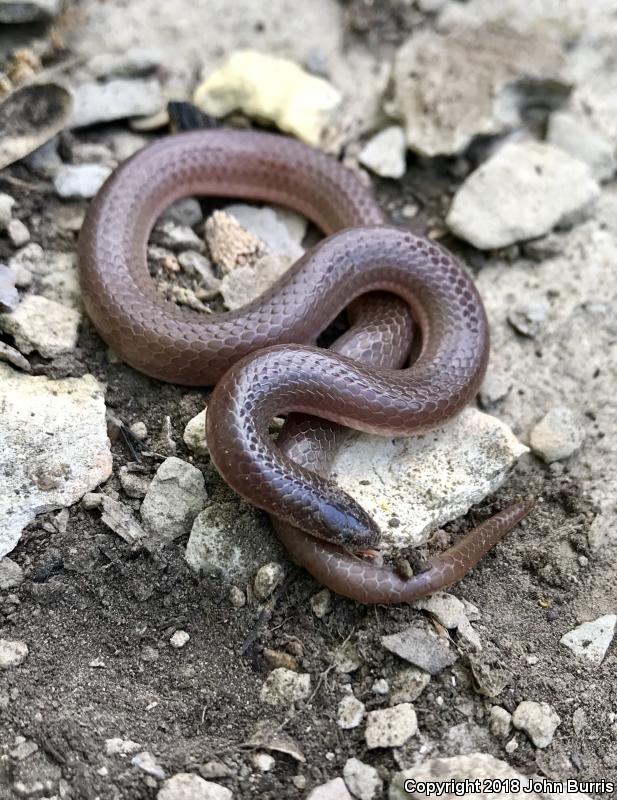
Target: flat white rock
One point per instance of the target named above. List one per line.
(522, 192)
(390, 727)
(424, 481)
(591, 640)
(54, 446)
(174, 498)
(384, 154)
(43, 325)
(188, 786)
(538, 720)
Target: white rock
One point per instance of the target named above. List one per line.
(11, 574)
(450, 89)
(104, 102)
(350, 712)
(390, 727)
(174, 498)
(381, 686)
(43, 325)
(267, 579)
(538, 720)
(426, 480)
(55, 446)
(198, 266)
(407, 685)
(176, 237)
(55, 273)
(179, 639)
(188, 786)
(12, 653)
(146, 762)
(451, 613)
(284, 686)
(577, 136)
(121, 747)
(280, 230)
(134, 483)
(233, 538)
(500, 722)
(139, 430)
(186, 211)
(332, 790)
(321, 603)
(362, 780)
(9, 296)
(520, 193)
(80, 180)
(245, 284)
(237, 597)
(18, 232)
(194, 435)
(384, 154)
(6, 209)
(421, 645)
(263, 761)
(346, 658)
(558, 435)
(591, 640)
(273, 89)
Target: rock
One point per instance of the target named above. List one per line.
(381, 687)
(448, 89)
(14, 357)
(9, 297)
(6, 210)
(32, 11)
(279, 229)
(321, 603)
(384, 154)
(450, 612)
(24, 750)
(500, 722)
(523, 191)
(267, 579)
(350, 712)
(362, 780)
(283, 687)
(230, 245)
(133, 483)
(407, 685)
(80, 180)
(121, 747)
(195, 434)
(174, 498)
(577, 136)
(590, 640)
(55, 274)
(558, 435)
(188, 786)
(237, 597)
(18, 233)
(43, 325)
(12, 653)
(179, 639)
(273, 89)
(120, 520)
(538, 720)
(146, 762)
(11, 574)
(263, 761)
(55, 446)
(45, 160)
(390, 727)
(528, 317)
(332, 790)
(199, 267)
(245, 284)
(232, 538)
(420, 645)
(185, 212)
(426, 480)
(176, 237)
(139, 430)
(117, 99)
(346, 658)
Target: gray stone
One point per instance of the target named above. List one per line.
(174, 498)
(55, 446)
(9, 296)
(522, 192)
(32, 11)
(283, 687)
(176, 237)
(280, 230)
(590, 640)
(195, 434)
(450, 89)
(103, 102)
(134, 484)
(80, 180)
(188, 786)
(420, 645)
(43, 325)
(390, 727)
(500, 722)
(232, 538)
(18, 233)
(576, 136)
(244, 284)
(362, 780)
(321, 603)
(428, 479)
(179, 639)
(528, 317)
(45, 160)
(384, 154)
(350, 712)
(186, 212)
(538, 720)
(146, 762)
(6, 210)
(407, 685)
(558, 435)
(12, 653)
(121, 747)
(332, 790)
(11, 574)
(450, 612)
(198, 266)
(119, 518)
(267, 579)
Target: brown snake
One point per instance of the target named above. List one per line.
(361, 386)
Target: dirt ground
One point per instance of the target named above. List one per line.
(98, 616)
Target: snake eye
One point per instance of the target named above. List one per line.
(350, 526)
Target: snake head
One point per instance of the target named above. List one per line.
(349, 526)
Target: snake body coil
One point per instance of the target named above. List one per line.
(262, 357)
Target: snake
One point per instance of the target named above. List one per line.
(403, 292)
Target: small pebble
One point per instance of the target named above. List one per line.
(332, 790)
(381, 686)
(267, 579)
(362, 780)
(558, 435)
(350, 712)
(237, 597)
(80, 180)
(591, 640)
(391, 727)
(284, 686)
(538, 720)
(188, 786)
(500, 722)
(146, 762)
(12, 653)
(179, 639)
(321, 603)
(18, 233)
(263, 761)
